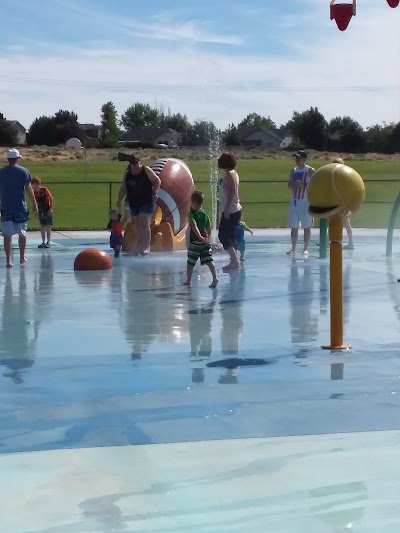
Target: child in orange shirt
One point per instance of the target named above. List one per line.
(44, 201)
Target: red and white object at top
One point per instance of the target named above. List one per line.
(343, 12)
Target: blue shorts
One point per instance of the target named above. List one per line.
(115, 240)
(16, 217)
(144, 209)
(240, 245)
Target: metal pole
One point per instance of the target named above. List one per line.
(336, 285)
(392, 223)
(323, 240)
(218, 208)
(110, 195)
(84, 150)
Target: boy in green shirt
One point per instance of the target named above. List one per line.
(200, 240)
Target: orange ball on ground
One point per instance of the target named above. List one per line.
(92, 259)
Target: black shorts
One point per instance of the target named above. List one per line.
(143, 209)
(46, 218)
(226, 230)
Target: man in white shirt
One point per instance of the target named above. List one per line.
(298, 208)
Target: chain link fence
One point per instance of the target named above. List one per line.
(80, 205)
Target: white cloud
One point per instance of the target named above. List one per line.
(352, 73)
(163, 26)
(188, 32)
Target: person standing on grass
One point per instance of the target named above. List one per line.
(140, 185)
(231, 210)
(298, 208)
(44, 201)
(15, 182)
(346, 217)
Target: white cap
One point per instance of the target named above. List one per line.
(13, 153)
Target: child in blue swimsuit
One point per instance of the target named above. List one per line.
(239, 237)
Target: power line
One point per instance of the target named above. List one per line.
(122, 86)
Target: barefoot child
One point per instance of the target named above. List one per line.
(44, 201)
(239, 238)
(116, 232)
(200, 240)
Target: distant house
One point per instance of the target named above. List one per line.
(20, 129)
(250, 136)
(91, 130)
(151, 134)
(288, 138)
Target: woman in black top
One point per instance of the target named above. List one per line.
(140, 185)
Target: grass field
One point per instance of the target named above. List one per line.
(85, 205)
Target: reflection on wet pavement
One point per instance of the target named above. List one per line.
(130, 357)
(126, 357)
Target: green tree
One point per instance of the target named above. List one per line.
(43, 131)
(293, 124)
(377, 137)
(231, 137)
(67, 126)
(65, 117)
(346, 135)
(310, 127)
(177, 122)
(393, 139)
(55, 130)
(109, 126)
(254, 119)
(200, 133)
(140, 115)
(8, 134)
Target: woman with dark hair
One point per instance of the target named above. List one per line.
(140, 185)
(231, 210)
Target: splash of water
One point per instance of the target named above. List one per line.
(214, 147)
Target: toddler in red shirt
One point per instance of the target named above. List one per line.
(116, 232)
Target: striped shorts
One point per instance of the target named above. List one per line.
(200, 250)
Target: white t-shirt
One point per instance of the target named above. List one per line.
(235, 206)
(302, 175)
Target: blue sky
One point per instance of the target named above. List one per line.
(217, 59)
